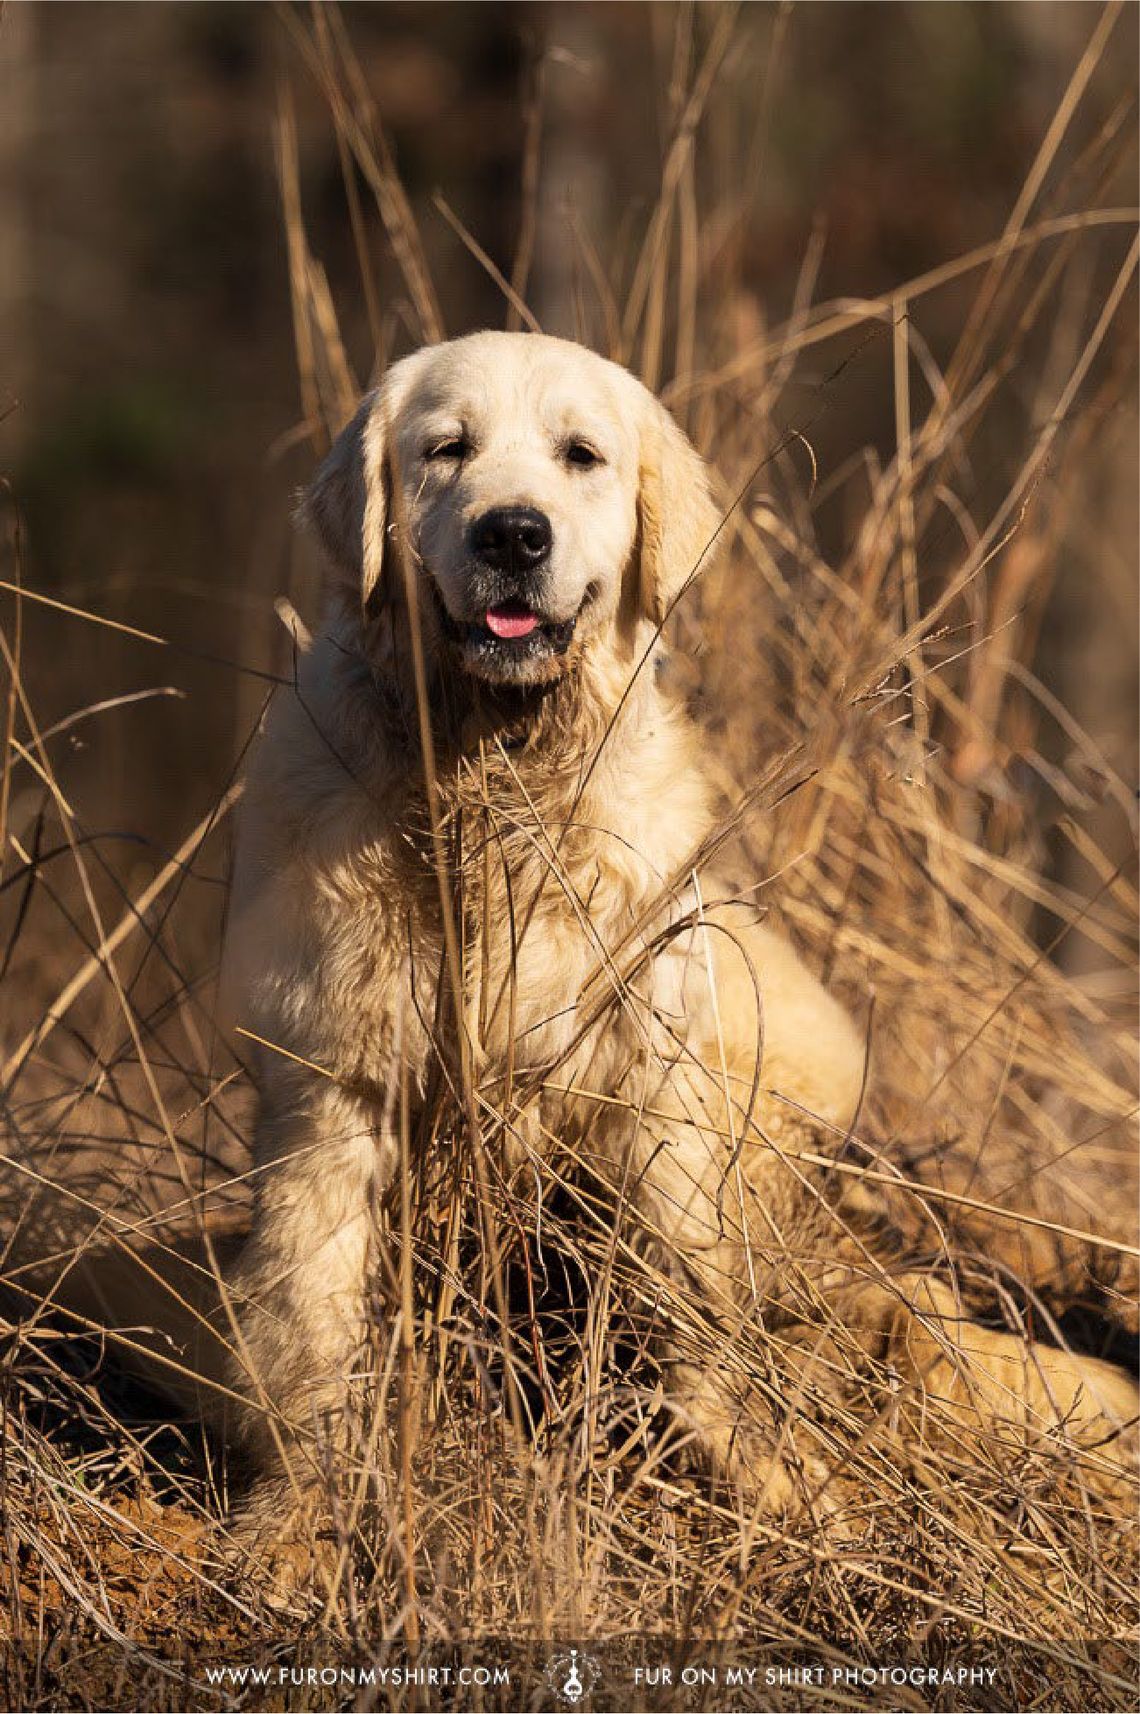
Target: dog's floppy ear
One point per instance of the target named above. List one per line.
(348, 501)
(678, 518)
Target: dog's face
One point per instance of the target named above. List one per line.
(539, 492)
(519, 473)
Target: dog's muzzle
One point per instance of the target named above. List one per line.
(512, 636)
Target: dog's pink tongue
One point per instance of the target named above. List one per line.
(511, 619)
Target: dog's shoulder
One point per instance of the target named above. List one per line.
(320, 887)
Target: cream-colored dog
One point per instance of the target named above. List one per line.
(507, 520)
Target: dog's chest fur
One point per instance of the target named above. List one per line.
(337, 937)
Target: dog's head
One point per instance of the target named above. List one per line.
(540, 494)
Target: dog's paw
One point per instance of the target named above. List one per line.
(277, 1546)
(771, 1475)
(775, 1480)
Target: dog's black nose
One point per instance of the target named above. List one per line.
(512, 538)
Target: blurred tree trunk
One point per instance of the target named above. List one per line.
(16, 141)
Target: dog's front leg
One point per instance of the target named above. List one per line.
(682, 1167)
(297, 1296)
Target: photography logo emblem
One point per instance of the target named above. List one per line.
(572, 1676)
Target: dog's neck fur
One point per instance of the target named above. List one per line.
(549, 728)
(527, 766)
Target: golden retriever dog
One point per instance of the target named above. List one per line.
(472, 847)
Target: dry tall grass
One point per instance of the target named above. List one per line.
(892, 790)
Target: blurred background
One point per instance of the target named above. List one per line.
(152, 428)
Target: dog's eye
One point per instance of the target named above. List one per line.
(579, 452)
(454, 447)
